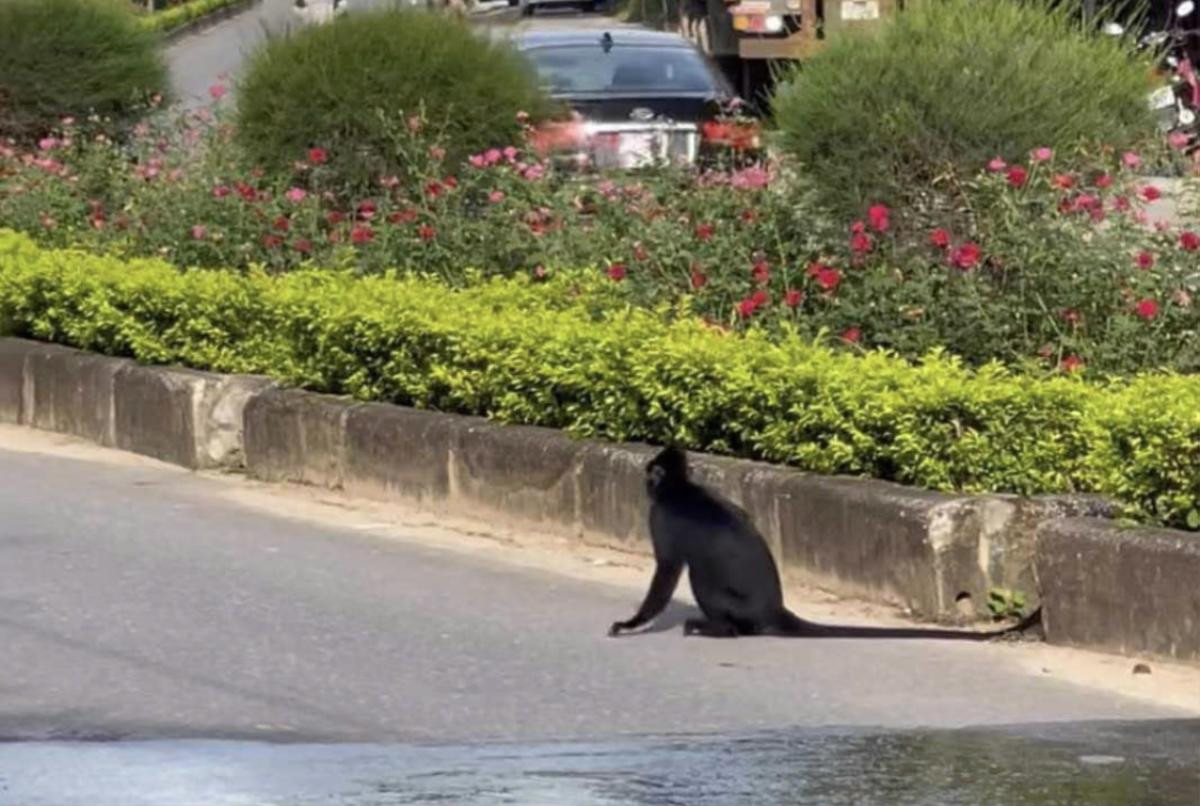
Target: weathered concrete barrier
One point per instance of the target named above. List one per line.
(1132, 591)
(931, 552)
(189, 418)
(1126, 590)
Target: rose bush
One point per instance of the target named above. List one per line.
(1051, 269)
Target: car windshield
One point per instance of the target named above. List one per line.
(569, 69)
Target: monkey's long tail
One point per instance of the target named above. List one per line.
(793, 626)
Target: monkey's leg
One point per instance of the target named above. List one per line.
(710, 628)
(666, 577)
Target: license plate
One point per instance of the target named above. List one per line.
(1162, 98)
(637, 150)
(860, 9)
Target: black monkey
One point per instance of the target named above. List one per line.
(731, 570)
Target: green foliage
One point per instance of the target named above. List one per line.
(1066, 276)
(1004, 603)
(569, 354)
(181, 14)
(61, 58)
(347, 86)
(899, 116)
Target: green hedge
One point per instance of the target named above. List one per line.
(565, 355)
(178, 16)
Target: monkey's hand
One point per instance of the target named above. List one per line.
(617, 628)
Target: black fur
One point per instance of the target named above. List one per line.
(732, 573)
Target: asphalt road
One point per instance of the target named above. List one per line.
(140, 602)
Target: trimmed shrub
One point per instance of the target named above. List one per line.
(347, 86)
(899, 116)
(565, 355)
(179, 15)
(72, 58)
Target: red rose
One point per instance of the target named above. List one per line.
(317, 156)
(828, 279)
(1070, 363)
(1151, 193)
(939, 238)
(1146, 309)
(966, 256)
(1189, 241)
(1017, 176)
(879, 216)
(1145, 260)
(362, 234)
(426, 232)
(761, 272)
(793, 297)
(860, 243)
(616, 272)
(1064, 181)
(282, 223)
(704, 232)
(302, 245)
(699, 280)
(853, 335)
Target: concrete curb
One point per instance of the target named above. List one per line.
(182, 416)
(1125, 590)
(934, 553)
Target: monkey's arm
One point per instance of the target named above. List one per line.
(666, 578)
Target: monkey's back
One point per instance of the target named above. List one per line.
(727, 558)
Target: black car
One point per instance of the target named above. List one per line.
(638, 97)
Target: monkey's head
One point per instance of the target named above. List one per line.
(666, 470)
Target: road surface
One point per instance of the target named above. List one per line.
(141, 602)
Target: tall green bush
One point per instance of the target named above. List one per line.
(345, 87)
(558, 355)
(899, 115)
(72, 58)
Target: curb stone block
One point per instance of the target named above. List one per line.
(12, 380)
(612, 494)
(297, 437)
(522, 471)
(1126, 590)
(394, 451)
(190, 418)
(72, 392)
